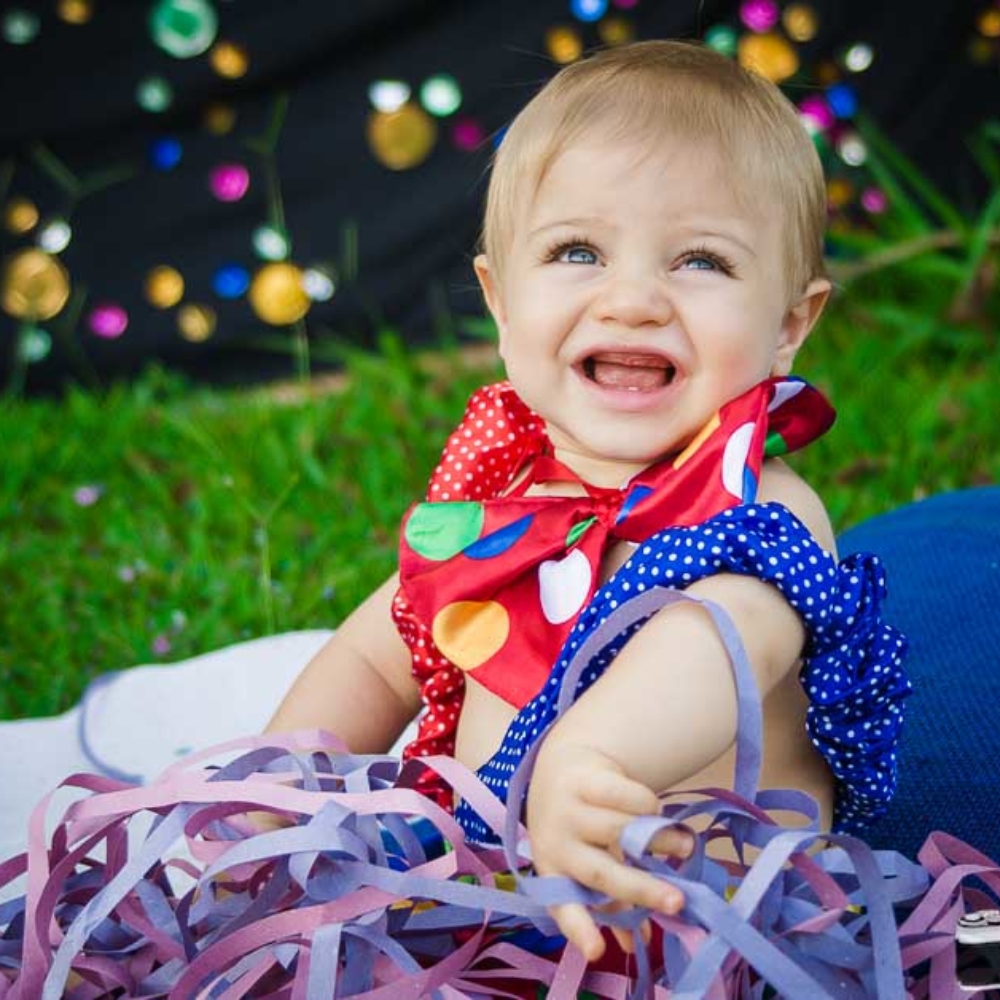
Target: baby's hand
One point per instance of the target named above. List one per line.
(579, 801)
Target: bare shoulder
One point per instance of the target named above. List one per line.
(779, 483)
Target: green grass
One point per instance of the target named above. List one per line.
(222, 515)
(226, 515)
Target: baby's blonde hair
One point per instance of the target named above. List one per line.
(657, 90)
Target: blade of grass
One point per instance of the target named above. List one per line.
(991, 129)
(903, 209)
(480, 327)
(349, 250)
(985, 158)
(984, 235)
(898, 164)
(101, 179)
(58, 172)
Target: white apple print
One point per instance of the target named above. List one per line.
(563, 586)
(734, 459)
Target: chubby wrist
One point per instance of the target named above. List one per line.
(563, 746)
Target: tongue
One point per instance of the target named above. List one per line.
(640, 373)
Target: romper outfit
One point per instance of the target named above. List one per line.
(505, 586)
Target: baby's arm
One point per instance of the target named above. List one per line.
(359, 685)
(663, 710)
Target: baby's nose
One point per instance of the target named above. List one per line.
(635, 300)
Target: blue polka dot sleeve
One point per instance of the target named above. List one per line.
(852, 664)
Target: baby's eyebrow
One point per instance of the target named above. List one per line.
(727, 236)
(689, 231)
(576, 222)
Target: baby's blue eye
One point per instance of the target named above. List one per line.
(578, 255)
(701, 263)
(706, 260)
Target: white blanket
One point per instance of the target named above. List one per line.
(139, 721)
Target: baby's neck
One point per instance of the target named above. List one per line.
(601, 472)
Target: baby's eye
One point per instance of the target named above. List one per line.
(572, 252)
(703, 260)
(700, 263)
(578, 255)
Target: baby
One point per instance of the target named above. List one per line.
(653, 261)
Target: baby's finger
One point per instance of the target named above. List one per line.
(598, 870)
(612, 790)
(626, 938)
(602, 827)
(578, 927)
(674, 842)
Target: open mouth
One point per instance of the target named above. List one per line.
(629, 372)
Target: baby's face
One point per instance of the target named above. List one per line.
(638, 296)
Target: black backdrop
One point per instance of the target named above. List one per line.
(70, 91)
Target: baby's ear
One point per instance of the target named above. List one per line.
(491, 292)
(798, 323)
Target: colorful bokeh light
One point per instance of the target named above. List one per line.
(874, 200)
(219, 118)
(769, 54)
(318, 284)
(75, 11)
(563, 44)
(440, 95)
(165, 153)
(588, 11)
(843, 100)
(800, 21)
(154, 94)
(722, 38)
(183, 28)
(388, 95)
(229, 182)
(107, 320)
(816, 113)
(467, 134)
(616, 30)
(20, 216)
(164, 287)
(859, 57)
(759, 15)
(34, 344)
(19, 26)
(54, 235)
(229, 60)
(34, 285)
(271, 242)
(277, 294)
(196, 322)
(403, 139)
(231, 281)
